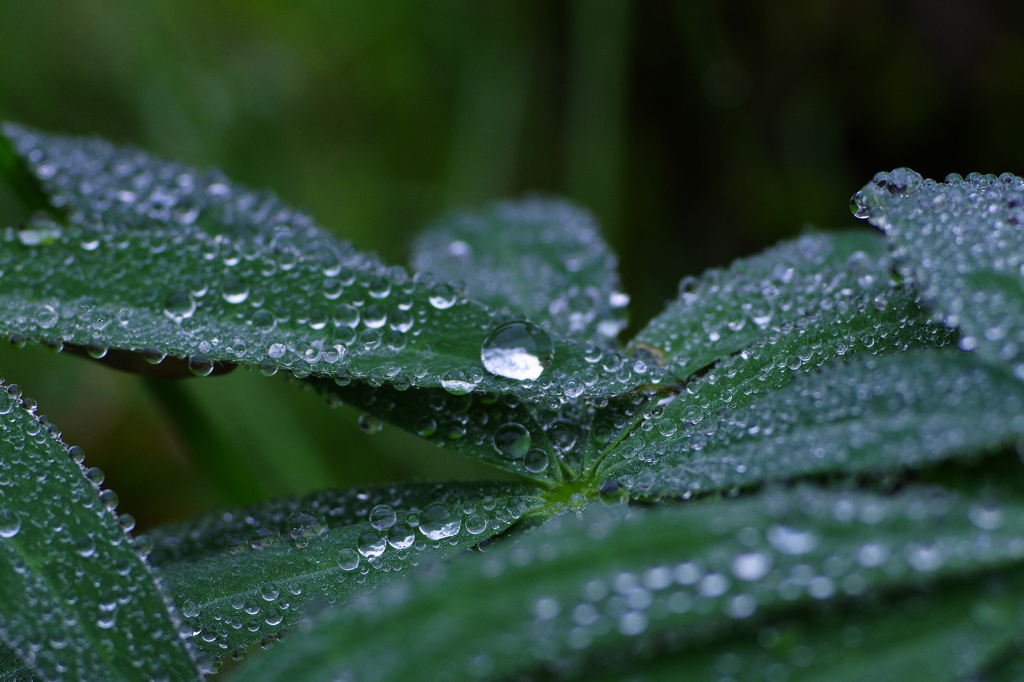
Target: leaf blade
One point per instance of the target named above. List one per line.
(961, 243)
(158, 259)
(77, 599)
(934, 405)
(541, 258)
(244, 575)
(573, 590)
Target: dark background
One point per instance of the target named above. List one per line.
(696, 132)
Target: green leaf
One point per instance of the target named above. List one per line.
(502, 431)
(662, 580)
(76, 600)
(239, 576)
(962, 243)
(818, 284)
(823, 297)
(940, 634)
(162, 260)
(872, 414)
(543, 259)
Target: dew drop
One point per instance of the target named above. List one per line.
(512, 441)
(383, 517)
(372, 544)
(369, 424)
(439, 523)
(10, 523)
(348, 559)
(200, 365)
(179, 306)
(535, 461)
(401, 536)
(235, 290)
(457, 382)
(517, 350)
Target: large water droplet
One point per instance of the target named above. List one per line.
(512, 440)
(517, 350)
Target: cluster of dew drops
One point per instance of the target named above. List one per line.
(396, 535)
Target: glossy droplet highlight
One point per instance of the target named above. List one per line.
(517, 350)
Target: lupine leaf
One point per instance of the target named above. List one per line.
(848, 306)
(944, 633)
(242, 575)
(161, 260)
(871, 414)
(543, 259)
(77, 600)
(668, 579)
(961, 243)
(817, 282)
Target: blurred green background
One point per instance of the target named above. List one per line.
(696, 132)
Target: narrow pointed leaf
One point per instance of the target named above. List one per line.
(76, 600)
(961, 243)
(872, 414)
(242, 575)
(820, 282)
(666, 579)
(543, 259)
(848, 307)
(160, 260)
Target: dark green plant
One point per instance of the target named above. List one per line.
(793, 472)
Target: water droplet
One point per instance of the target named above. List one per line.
(476, 523)
(383, 517)
(517, 350)
(369, 424)
(276, 350)
(179, 305)
(190, 609)
(10, 523)
(751, 566)
(47, 317)
(512, 440)
(426, 427)
(444, 296)
(457, 382)
(401, 536)
(613, 492)
(439, 523)
(235, 290)
(372, 544)
(792, 541)
(200, 365)
(348, 559)
(535, 461)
